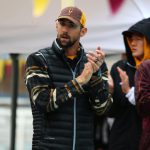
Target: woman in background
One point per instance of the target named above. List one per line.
(126, 129)
(142, 95)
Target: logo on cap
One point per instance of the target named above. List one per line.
(73, 13)
(70, 11)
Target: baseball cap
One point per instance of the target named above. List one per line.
(73, 14)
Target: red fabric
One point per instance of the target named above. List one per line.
(8, 69)
(142, 92)
(115, 5)
(145, 137)
(142, 95)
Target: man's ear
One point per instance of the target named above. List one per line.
(83, 32)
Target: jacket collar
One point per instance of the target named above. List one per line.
(61, 51)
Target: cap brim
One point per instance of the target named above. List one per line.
(69, 18)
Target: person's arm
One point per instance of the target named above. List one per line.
(130, 93)
(125, 86)
(120, 102)
(100, 98)
(98, 86)
(40, 86)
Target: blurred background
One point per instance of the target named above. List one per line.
(28, 25)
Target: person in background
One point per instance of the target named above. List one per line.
(126, 129)
(142, 96)
(66, 87)
(101, 132)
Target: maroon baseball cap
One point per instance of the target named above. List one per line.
(73, 14)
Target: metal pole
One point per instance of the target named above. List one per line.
(15, 76)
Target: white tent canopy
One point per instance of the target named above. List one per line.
(21, 32)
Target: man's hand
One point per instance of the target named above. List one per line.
(86, 74)
(96, 58)
(124, 80)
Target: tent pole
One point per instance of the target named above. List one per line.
(15, 72)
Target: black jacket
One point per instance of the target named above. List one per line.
(62, 109)
(126, 130)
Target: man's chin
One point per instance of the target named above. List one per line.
(65, 45)
(64, 42)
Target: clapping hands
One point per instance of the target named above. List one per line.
(96, 58)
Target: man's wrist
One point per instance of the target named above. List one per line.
(80, 81)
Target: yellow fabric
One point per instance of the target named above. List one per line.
(39, 7)
(2, 72)
(72, 57)
(146, 52)
(83, 19)
(21, 67)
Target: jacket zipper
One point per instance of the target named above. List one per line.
(74, 107)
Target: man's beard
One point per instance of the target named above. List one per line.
(68, 44)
